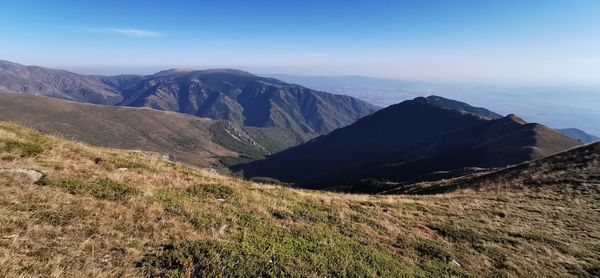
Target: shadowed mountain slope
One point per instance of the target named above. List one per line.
(195, 140)
(407, 140)
(496, 143)
(574, 133)
(577, 167)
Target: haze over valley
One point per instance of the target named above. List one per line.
(548, 104)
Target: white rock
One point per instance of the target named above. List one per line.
(454, 263)
(35, 175)
(223, 228)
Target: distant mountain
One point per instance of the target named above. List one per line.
(457, 105)
(574, 133)
(579, 134)
(408, 140)
(56, 83)
(199, 141)
(532, 103)
(379, 91)
(220, 94)
(246, 99)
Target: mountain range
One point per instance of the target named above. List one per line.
(508, 192)
(408, 140)
(36, 80)
(194, 140)
(220, 94)
(579, 134)
(235, 117)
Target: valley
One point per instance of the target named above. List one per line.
(193, 139)
(198, 141)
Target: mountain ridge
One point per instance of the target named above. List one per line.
(579, 134)
(406, 140)
(220, 94)
(457, 105)
(549, 171)
(194, 140)
(37, 80)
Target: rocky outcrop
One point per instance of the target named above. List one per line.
(35, 175)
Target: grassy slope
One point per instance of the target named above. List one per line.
(578, 166)
(194, 140)
(87, 218)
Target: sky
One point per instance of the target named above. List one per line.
(503, 42)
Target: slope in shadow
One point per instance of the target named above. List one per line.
(405, 141)
(578, 167)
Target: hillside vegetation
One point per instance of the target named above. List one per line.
(101, 212)
(579, 166)
(194, 140)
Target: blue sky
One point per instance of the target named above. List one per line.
(533, 41)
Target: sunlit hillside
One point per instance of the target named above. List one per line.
(100, 212)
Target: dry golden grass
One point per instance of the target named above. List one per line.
(87, 218)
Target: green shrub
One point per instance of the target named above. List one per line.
(431, 250)
(267, 251)
(212, 191)
(23, 149)
(178, 202)
(456, 234)
(55, 218)
(103, 189)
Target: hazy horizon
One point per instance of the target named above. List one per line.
(496, 42)
(272, 72)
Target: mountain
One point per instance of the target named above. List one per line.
(408, 140)
(199, 141)
(246, 99)
(56, 83)
(531, 102)
(576, 167)
(574, 133)
(457, 105)
(496, 143)
(220, 94)
(73, 210)
(579, 134)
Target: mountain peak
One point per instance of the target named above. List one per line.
(173, 71)
(405, 141)
(220, 94)
(579, 135)
(515, 118)
(457, 105)
(181, 71)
